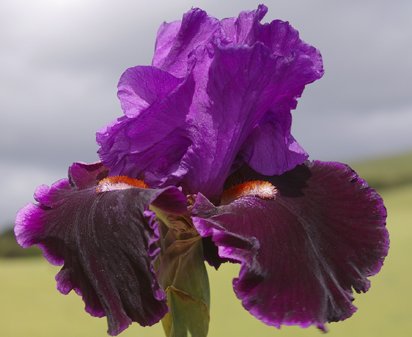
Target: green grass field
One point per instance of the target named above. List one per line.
(31, 307)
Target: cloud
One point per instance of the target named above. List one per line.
(18, 185)
(360, 136)
(61, 61)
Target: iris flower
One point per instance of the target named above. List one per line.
(201, 167)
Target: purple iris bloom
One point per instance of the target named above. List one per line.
(202, 166)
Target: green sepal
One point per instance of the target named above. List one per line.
(186, 314)
(182, 273)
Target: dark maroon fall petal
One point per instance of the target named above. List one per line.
(304, 251)
(106, 242)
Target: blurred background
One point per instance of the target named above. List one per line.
(60, 61)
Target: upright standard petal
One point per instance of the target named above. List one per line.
(256, 104)
(140, 87)
(243, 114)
(302, 246)
(148, 143)
(177, 41)
(104, 241)
(296, 65)
(239, 101)
(246, 78)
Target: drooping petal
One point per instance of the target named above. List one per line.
(211, 253)
(304, 250)
(105, 242)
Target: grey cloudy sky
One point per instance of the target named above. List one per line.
(60, 61)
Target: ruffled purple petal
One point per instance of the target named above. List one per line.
(83, 175)
(219, 92)
(140, 87)
(271, 149)
(106, 242)
(164, 42)
(150, 145)
(303, 252)
(241, 101)
(177, 41)
(297, 65)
